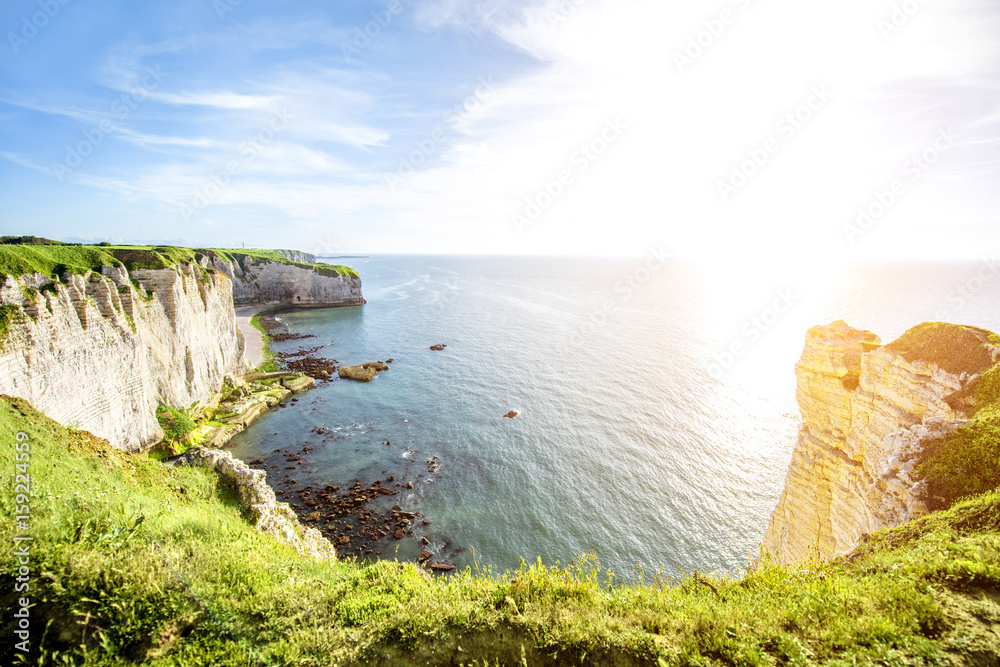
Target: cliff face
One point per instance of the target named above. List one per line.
(99, 354)
(297, 256)
(866, 409)
(275, 283)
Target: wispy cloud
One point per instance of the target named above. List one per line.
(221, 100)
(560, 71)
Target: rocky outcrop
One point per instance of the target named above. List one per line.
(866, 409)
(362, 372)
(99, 351)
(263, 282)
(258, 499)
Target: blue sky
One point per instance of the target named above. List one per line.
(714, 129)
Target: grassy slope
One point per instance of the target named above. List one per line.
(53, 260)
(967, 461)
(193, 583)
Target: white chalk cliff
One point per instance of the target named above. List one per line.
(97, 353)
(278, 283)
(866, 408)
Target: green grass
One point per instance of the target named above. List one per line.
(136, 561)
(176, 423)
(54, 259)
(955, 348)
(967, 461)
(9, 315)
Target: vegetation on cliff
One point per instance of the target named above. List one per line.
(136, 561)
(967, 461)
(175, 422)
(953, 347)
(270, 363)
(53, 259)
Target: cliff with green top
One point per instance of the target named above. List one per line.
(98, 336)
(276, 277)
(872, 416)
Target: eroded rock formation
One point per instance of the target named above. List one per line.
(258, 499)
(866, 408)
(99, 351)
(275, 283)
(362, 372)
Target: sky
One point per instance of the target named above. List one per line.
(724, 129)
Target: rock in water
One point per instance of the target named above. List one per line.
(511, 414)
(362, 372)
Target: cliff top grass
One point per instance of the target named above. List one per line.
(21, 255)
(955, 348)
(134, 561)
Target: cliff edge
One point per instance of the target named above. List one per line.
(867, 411)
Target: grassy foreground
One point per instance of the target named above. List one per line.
(133, 561)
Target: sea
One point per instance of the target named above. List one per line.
(655, 398)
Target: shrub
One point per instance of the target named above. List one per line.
(176, 424)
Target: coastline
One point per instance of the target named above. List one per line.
(254, 352)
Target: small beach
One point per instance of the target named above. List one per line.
(254, 338)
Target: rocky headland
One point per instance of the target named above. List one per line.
(258, 280)
(867, 411)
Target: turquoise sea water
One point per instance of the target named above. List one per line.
(656, 401)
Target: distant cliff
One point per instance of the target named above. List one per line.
(261, 280)
(866, 411)
(100, 350)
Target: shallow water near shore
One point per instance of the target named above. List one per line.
(656, 401)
